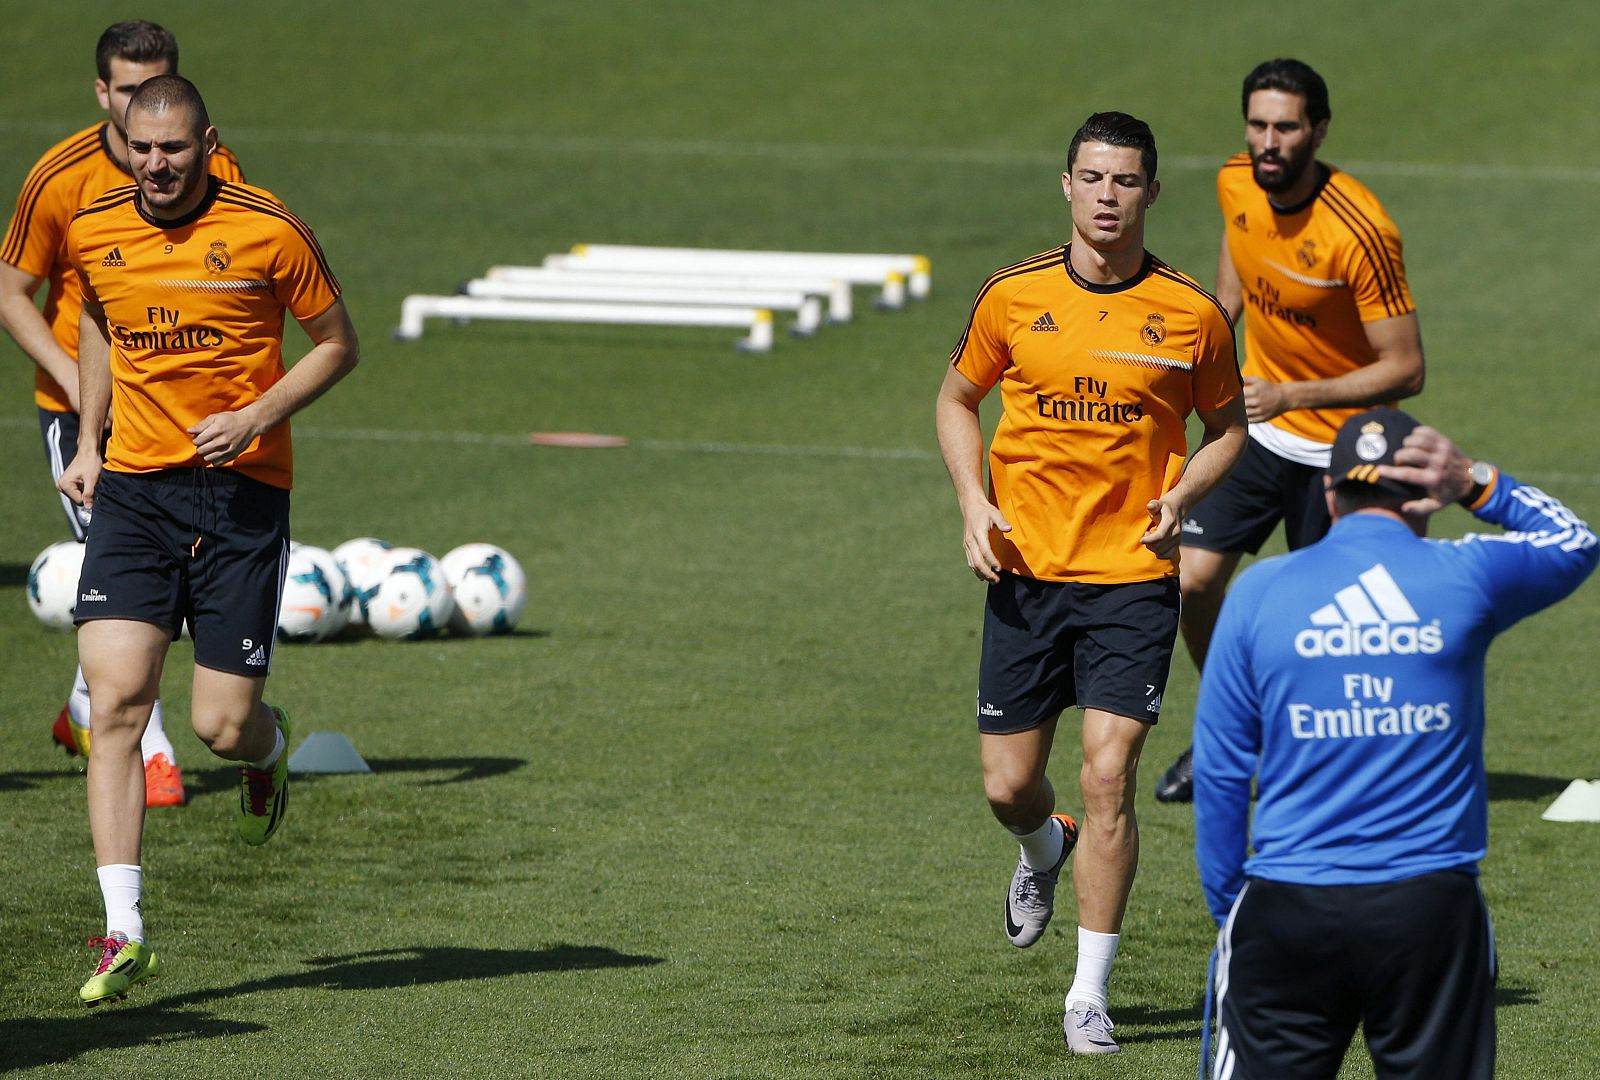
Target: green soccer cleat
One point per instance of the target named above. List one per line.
(263, 795)
(122, 963)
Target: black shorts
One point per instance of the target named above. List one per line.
(1411, 961)
(60, 432)
(1263, 489)
(205, 545)
(1051, 644)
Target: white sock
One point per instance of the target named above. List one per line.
(266, 763)
(155, 739)
(1095, 953)
(78, 702)
(1042, 847)
(120, 885)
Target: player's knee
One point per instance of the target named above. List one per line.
(221, 728)
(1107, 780)
(1009, 791)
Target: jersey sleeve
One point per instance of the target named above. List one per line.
(1375, 269)
(1227, 741)
(1216, 365)
(302, 279)
(38, 225)
(983, 351)
(1545, 553)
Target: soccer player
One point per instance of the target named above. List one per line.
(186, 279)
(32, 254)
(1101, 352)
(1347, 678)
(1311, 259)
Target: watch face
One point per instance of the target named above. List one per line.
(1482, 472)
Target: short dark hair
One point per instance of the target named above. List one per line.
(1291, 77)
(1352, 495)
(138, 40)
(1117, 129)
(162, 92)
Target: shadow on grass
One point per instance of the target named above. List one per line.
(1138, 1020)
(13, 574)
(198, 782)
(29, 1042)
(1520, 787)
(1510, 997)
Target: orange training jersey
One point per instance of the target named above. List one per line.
(1096, 382)
(1311, 278)
(194, 309)
(70, 173)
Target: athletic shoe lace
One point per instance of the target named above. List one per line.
(112, 947)
(1029, 887)
(1093, 1023)
(258, 785)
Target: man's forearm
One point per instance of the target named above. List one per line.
(23, 321)
(313, 376)
(1209, 464)
(1375, 384)
(961, 446)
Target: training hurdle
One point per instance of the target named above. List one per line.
(807, 308)
(835, 290)
(418, 307)
(894, 272)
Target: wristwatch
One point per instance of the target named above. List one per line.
(1482, 474)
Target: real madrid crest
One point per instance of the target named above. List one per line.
(1371, 445)
(1307, 254)
(218, 259)
(1155, 329)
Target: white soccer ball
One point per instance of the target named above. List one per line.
(363, 561)
(316, 597)
(489, 586)
(53, 584)
(412, 600)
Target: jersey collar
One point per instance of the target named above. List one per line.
(1115, 286)
(1323, 175)
(213, 185)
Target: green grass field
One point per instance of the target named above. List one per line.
(714, 811)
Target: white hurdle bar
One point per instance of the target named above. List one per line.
(807, 308)
(416, 308)
(894, 272)
(836, 290)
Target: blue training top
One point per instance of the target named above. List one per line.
(1350, 674)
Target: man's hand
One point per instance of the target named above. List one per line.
(80, 478)
(1166, 527)
(221, 437)
(977, 522)
(1435, 464)
(1263, 400)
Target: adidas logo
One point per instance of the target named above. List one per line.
(1240, 223)
(113, 258)
(1045, 322)
(257, 658)
(1370, 618)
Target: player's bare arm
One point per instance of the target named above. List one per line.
(961, 444)
(93, 379)
(1230, 290)
(1397, 373)
(335, 351)
(25, 323)
(1219, 449)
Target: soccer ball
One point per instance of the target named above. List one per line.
(489, 586)
(53, 584)
(316, 598)
(412, 599)
(363, 561)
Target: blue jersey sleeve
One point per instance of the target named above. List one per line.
(1545, 553)
(1227, 745)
